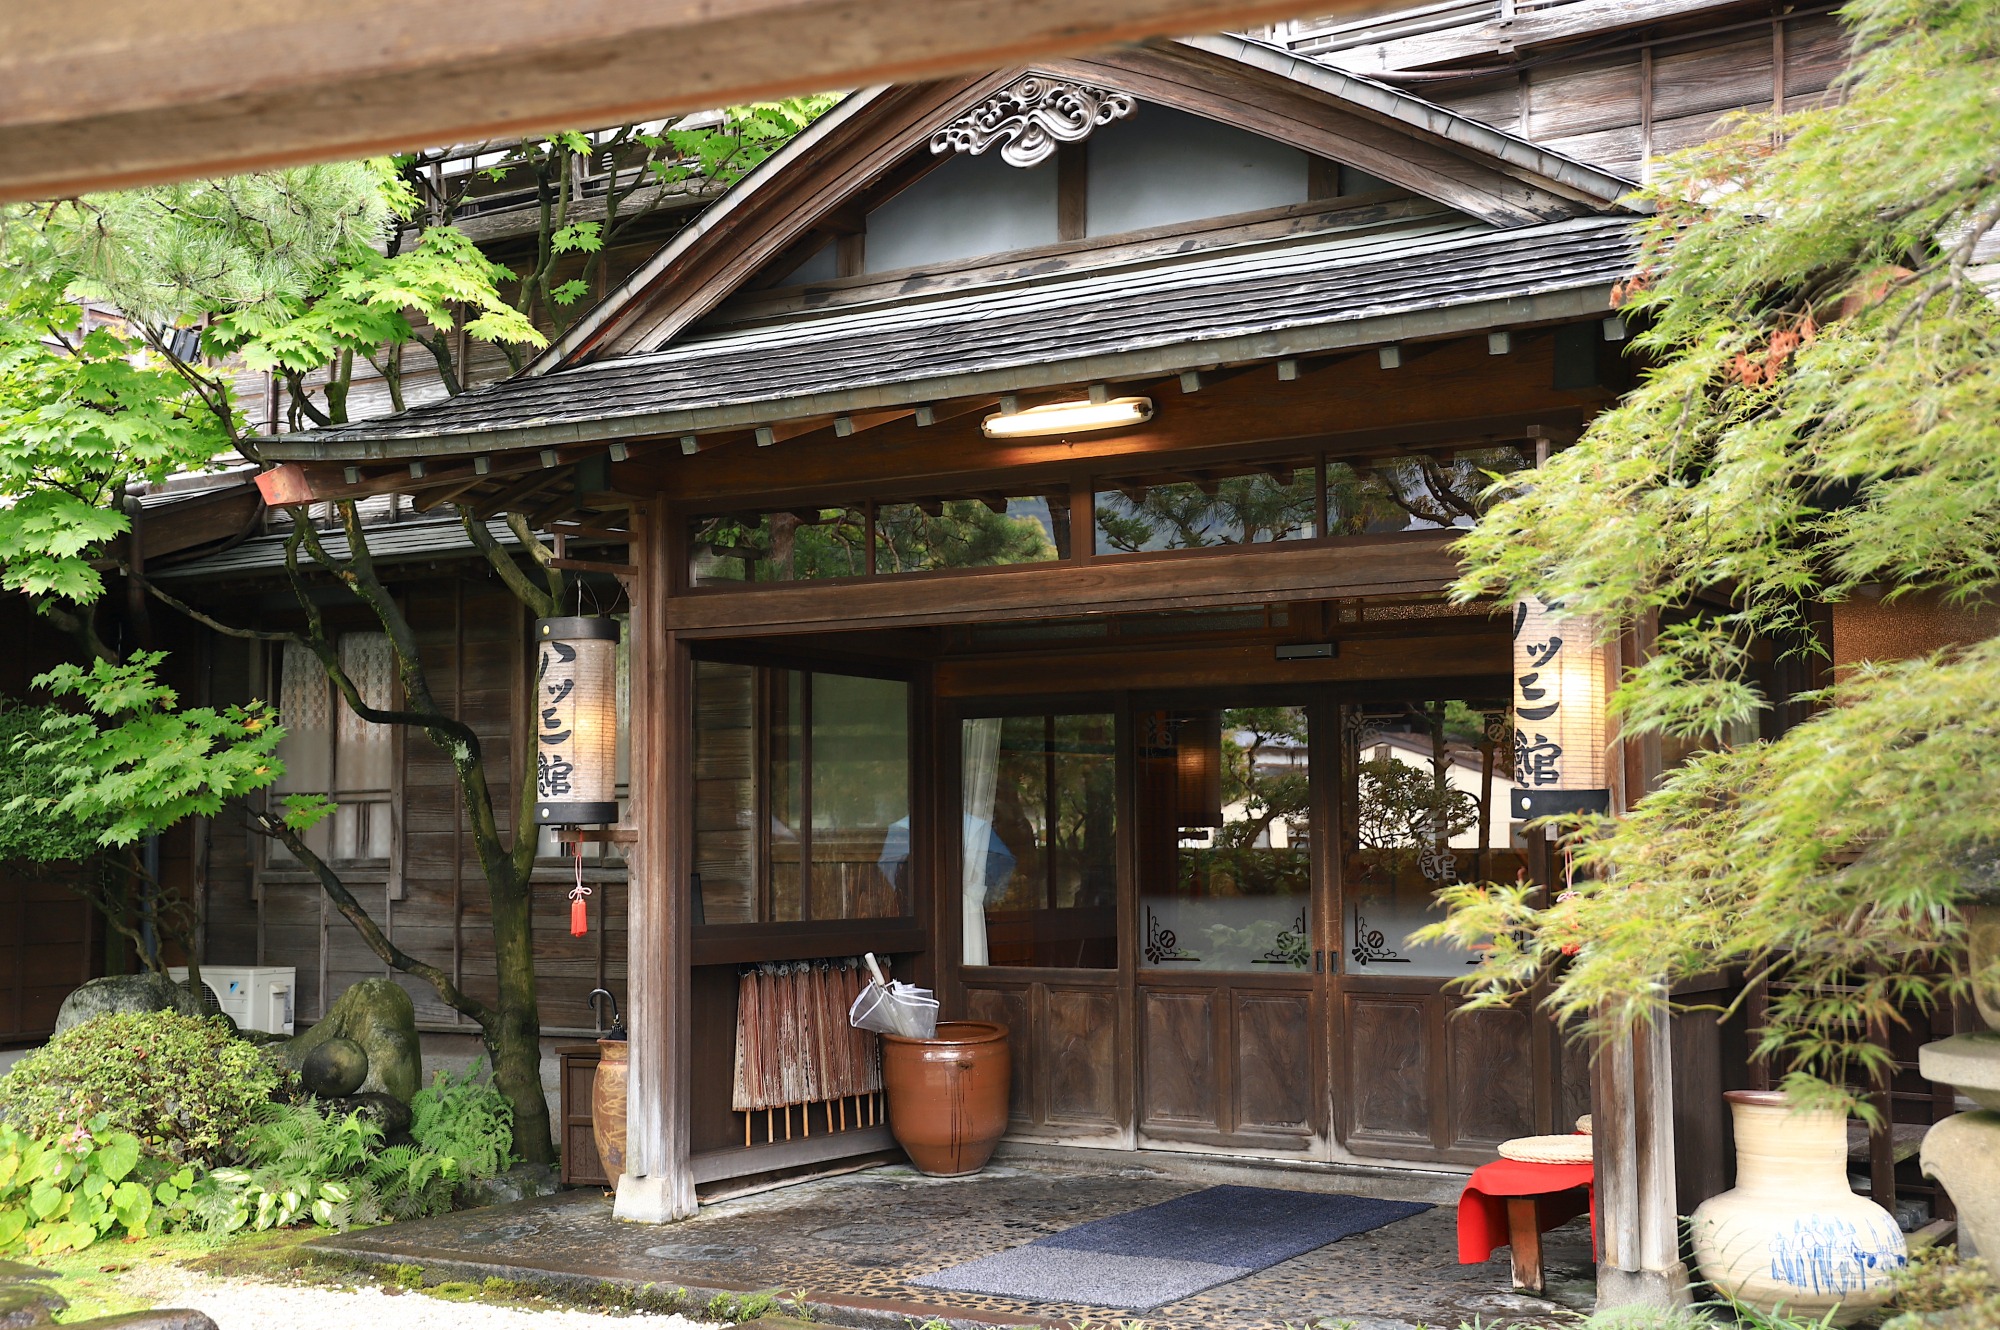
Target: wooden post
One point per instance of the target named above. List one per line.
(1632, 1104)
(1632, 1133)
(658, 1186)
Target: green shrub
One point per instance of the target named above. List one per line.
(1944, 1289)
(181, 1084)
(302, 1165)
(466, 1121)
(64, 1193)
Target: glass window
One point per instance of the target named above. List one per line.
(1040, 854)
(1234, 504)
(860, 792)
(792, 546)
(1419, 492)
(1225, 862)
(925, 535)
(802, 795)
(1428, 805)
(329, 750)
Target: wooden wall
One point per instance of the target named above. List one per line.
(433, 903)
(1622, 108)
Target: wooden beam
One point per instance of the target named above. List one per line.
(179, 91)
(1419, 564)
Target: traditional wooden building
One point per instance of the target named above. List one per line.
(1030, 495)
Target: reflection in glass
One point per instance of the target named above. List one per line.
(725, 792)
(970, 533)
(1039, 857)
(1420, 492)
(1234, 504)
(792, 546)
(1225, 871)
(860, 791)
(797, 770)
(1428, 806)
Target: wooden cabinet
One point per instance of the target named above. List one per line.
(577, 1071)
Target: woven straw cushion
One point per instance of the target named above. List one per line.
(1547, 1149)
(1583, 1124)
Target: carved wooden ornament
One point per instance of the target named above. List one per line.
(1030, 116)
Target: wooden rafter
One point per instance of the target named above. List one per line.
(178, 90)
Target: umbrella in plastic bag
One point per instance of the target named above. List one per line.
(894, 1007)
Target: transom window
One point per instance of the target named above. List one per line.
(1197, 504)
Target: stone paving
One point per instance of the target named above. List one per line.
(851, 1244)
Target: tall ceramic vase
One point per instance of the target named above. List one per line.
(607, 1107)
(1793, 1234)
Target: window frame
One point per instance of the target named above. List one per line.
(807, 937)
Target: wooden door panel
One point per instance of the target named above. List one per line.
(1389, 1073)
(1010, 1007)
(1273, 1062)
(1491, 1077)
(1178, 1037)
(1078, 1045)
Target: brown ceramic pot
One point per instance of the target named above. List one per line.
(948, 1095)
(607, 1107)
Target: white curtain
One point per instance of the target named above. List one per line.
(981, 775)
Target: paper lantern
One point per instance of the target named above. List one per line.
(1198, 769)
(1560, 727)
(576, 721)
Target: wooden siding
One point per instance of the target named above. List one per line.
(1623, 109)
(471, 636)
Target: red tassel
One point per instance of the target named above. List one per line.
(579, 917)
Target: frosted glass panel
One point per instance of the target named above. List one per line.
(1426, 805)
(1162, 167)
(1225, 871)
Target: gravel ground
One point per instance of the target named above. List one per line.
(238, 1304)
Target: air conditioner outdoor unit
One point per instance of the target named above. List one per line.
(256, 997)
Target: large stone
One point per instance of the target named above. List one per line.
(378, 1015)
(160, 1318)
(519, 1183)
(386, 1111)
(23, 1305)
(1963, 1152)
(11, 1271)
(337, 1067)
(1970, 1062)
(126, 992)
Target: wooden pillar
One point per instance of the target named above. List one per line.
(1632, 1106)
(658, 1186)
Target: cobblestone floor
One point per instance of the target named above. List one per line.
(851, 1244)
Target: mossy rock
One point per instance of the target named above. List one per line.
(379, 1016)
(337, 1067)
(118, 993)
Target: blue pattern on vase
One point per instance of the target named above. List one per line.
(1828, 1255)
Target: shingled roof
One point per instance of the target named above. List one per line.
(1418, 277)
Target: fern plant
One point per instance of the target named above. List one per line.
(467, 1121)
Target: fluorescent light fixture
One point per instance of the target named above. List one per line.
(1068, 418)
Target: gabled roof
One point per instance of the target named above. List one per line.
(1495, 176)
(1503, 232)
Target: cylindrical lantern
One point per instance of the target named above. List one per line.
(1198, 769)
(1560, 728)
(576, 721)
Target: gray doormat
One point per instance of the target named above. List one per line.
(1147, 1258)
